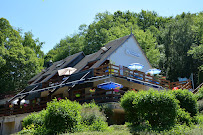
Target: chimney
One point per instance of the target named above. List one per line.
(50, 63)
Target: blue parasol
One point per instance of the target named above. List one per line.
(153, 71)
(135, 66)
(109, 85)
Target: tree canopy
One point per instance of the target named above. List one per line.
(172, 44)
(20, 57)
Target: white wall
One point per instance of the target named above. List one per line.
(123, 55)
(11, 124)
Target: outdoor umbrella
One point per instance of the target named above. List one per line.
(153, 71)
(24, 101)
(66, 71)
(135, 66)
(15, 102)
(21, 102)
(109, 85)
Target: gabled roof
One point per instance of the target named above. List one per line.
(111, 46)
(99, 56)
(52, 70)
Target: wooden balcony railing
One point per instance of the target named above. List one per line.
(22, 109)
(100, 96)
(138, 75)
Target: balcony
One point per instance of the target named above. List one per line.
(124, 72)
(15, 109)
(99, 96)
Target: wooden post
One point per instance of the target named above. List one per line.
(169, 83)
(110, 69)
(143, 77)
(119, 70)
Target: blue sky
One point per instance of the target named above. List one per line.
(52, 20)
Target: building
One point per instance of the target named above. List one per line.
(79, 76)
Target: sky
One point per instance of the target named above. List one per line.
(53, 20)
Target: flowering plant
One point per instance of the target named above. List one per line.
(92, 90)
(77, 95)
(163, 77)
(134, 90)
(10, 106)
(116, 90)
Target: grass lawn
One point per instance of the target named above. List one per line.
(124, 130)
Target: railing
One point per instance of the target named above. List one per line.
(22, 109)
(197, 89)
(138, 75)
(100, 96)
(103, 95)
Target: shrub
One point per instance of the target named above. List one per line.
(159, 109)
(200, 94)
(184, 117)
(107, 110)
(28, 130)
(129, 107)
(93, 118)
(65, 116)
(187, 101)
(98, 125)
(200, 105)
(62, 116)
(34, 118)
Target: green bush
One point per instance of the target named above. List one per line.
(107, 110)
(28, 130)
(184, 117)
(200, 94)
(129, 107)
(98, 125)
(65, 116)
(93, 118)
(200, 105)
(187, 101)
(156, 108)
(62, 116)
(34, 118)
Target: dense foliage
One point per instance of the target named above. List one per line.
(173, 44)
(158, 109)
(20, 57)
(65, 116)
(62, 116)
(187, 101)
(34, 118)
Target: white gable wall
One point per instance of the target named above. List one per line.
(128, 53)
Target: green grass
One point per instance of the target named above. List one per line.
(114, 130)
(123, 130)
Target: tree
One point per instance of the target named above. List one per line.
(177, 38)
(18, 63)
(67, 46)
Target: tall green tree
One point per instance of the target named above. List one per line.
(19, 62)
(178, 38)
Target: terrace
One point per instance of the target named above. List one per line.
(99, 95)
